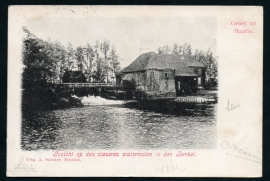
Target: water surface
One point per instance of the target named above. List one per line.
(132, 125)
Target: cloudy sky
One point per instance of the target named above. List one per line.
(131, 36)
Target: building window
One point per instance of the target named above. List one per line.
(166, 74)
(199, 71)
(151, 78)
(166, 84)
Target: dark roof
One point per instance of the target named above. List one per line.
(73, 77)
(139, 64)
(195, 63)
(74, 74)
(151, 60)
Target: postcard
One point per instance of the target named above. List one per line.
(142, 91)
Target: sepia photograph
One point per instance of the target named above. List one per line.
(141, 91)
(119, 83)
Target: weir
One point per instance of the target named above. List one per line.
(94, 85)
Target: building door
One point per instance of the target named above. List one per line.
(178, 85)
(199, 81)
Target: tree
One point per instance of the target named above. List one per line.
(100, 73)
(187, 49)
(96, 50)
(104, 47)
(114, 62)
(200, 56)
(38, 66)
(64, 63)
(175, 48)
(106, 61)
(70, 56)
(160, 51)
(165, 50)
(90, 55)
(57, 54)
(211, 64)
(39, 58)
(206, 58)
(184, 49)
(44, 63)
(80, 58)
(49, 60)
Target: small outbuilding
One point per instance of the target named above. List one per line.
(73, 77)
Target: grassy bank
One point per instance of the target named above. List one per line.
(46, 98)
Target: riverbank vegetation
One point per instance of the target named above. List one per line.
(45, 62)
(205, 57)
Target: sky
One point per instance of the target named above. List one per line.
(131, 36)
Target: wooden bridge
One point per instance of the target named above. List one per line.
(93, 85)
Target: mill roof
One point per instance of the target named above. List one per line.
(139, 64)
(180, 63)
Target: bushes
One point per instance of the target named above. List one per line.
(210, 84)
(41, 98)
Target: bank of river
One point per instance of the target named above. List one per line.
(130, 125)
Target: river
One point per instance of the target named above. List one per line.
(131, 125)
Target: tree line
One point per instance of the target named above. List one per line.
(205, 57)
(47, 61)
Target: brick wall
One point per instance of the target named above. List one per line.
(153, 80)
(160, 80)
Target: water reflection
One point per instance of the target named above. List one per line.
(133, 125)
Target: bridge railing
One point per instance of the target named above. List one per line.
(88, 84)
